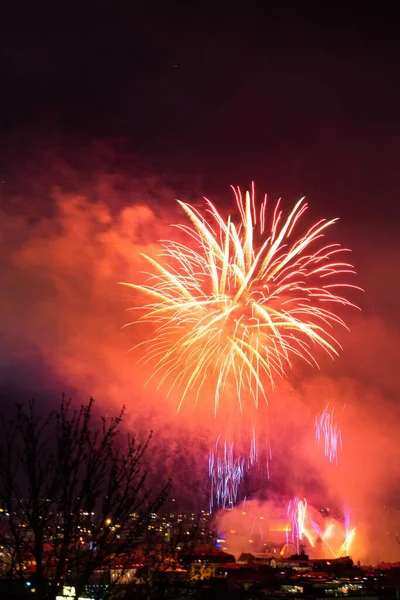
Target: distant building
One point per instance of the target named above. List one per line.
(205, 561)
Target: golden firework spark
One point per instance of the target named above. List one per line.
(237, 303)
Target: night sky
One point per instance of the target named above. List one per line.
(302, 100)
(109, 111)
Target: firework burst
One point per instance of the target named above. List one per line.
(236, 303)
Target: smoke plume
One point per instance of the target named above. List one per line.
(71, 228)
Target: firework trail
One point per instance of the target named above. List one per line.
(350, 534)
(297, 513)
(253, 458)
(235, 305)
(226, 473)
(327, 430)
(300, 519)
(344, 549)
(324, 536)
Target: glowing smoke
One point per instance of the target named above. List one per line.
(61, 311)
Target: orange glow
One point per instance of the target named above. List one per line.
(61, 313)
(281, 527)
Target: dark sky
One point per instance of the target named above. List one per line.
(302, 98)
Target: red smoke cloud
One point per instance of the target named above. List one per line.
(61, 313)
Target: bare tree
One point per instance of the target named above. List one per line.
(73, 495)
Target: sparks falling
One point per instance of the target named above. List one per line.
(242, 299)
(226, 470)
(226, 473)
(328, 432)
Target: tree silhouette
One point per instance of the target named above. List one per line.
(73, 496)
